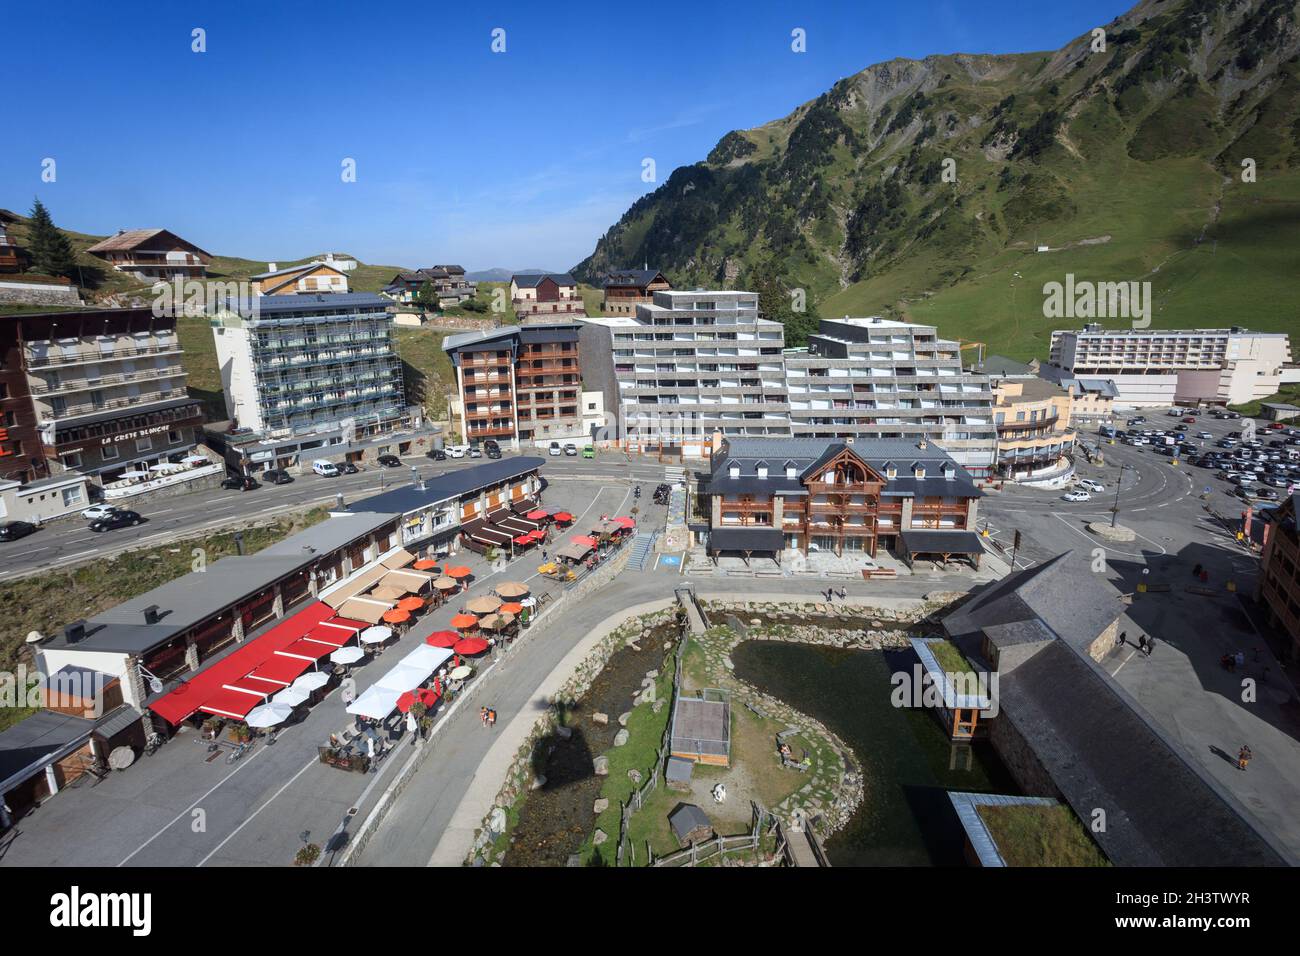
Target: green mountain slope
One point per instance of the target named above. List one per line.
(1126, 162)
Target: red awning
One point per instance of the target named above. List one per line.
(583, 540)
(562, 516)
(312, 650)
(626, 522)
(333, 636)
(283, 670)
(230, 703)
(255, 685)
(524, 539)
(537, 515)
(348, 623)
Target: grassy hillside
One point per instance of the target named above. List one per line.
(919, 189)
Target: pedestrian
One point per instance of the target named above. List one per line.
(843, 594)
(1151, 645)
(370, 752)
(6, 816)
(492, 717)
(412, 725)
(1243, 757)
(1142, 642)
(1123, 636)
(1196, 571)
(482, 716)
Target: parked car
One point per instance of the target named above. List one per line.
(437, 454)
(240, 483)
(277, 476)
(1189, 420)
(95, 512)
(457, 451)
(1276, 426)
(13, 530)
(571, 450)
(1076, 496)
(490, 443)
(347, 468)
(555, 450)
(1204, 435)
(1267, 494)
(1087, 484)
(493, 451)
(589, 452)
(475, 451)
(325, 468)
(389, 461)
(118, 519)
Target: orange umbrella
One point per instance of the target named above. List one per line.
(461, 572)
(464, 621)
(397, 616)
(510, 607)
(410, 603)
(425, 564)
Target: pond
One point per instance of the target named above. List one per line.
(908, 763)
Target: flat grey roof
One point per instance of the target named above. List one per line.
(453, 484)
(29, 744)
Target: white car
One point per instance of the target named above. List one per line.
(95, 512)
(556, 449)
(1087, 484)
(1076, 496)
(456, 451)
(1204, 435)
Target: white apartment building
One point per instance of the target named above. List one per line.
(875, 378)
(1165, 367)
(686, 366)
(311, 364)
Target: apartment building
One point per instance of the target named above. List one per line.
(97, 393)
(766, 496)
(875, 378)
(624, 290)
(308, 278)
(1035, 437)
(448, 282)
(11, 257)
(322, 369)
(1279, 570)
(686, 366)
(519, 384)
(1164, 367)
(149, 254)
(544, 295)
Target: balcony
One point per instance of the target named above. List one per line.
(82, 358)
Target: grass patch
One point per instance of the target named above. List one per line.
(949, 658)
(47, 601)
(1041, 835)
(1288, 395)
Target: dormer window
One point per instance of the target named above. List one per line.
(948, 470)
(791, 471)
(733, 470)
(761, 468)
(891, 470)
(918, 470)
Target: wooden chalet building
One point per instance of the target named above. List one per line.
(769, 495)
(150, 254)
(11, 257)
(545, 294)
(306, 279)
(626, 289)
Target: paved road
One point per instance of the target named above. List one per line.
(69, 541)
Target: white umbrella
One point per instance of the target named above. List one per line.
(402, 679)
(312, 680)
(376, 635)
(268, 715)
(460, 673)
(344, 655)
(291, 697)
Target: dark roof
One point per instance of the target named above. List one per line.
(110, 725)
(1001, 365)
(124, 412)
(30, 744)
(453, 484)
(746, 539)
(272, 305)
(634, 277)
(686, 818)
(1102, 751)
(531, 279)
(942, 542)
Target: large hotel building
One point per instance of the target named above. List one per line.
(1165, 366)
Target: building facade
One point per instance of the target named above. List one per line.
(546, 295)
(149, 254)
(519, 384)
(1035, 437)
(808, 494)
(300, 280)
(1279, 571)
(628, 288)
(1164, 367)
(877, 378)
(448, 282)
(687, 366)
(11, 257)
(99, 392)
(311, 364)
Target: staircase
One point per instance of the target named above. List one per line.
(642, 549)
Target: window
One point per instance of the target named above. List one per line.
(71, 459)
(72, 496)
(143, 444)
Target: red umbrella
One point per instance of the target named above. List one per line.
(471, 645)
(524, 539)
(563, 516)
(425, 564)
(583, 540)
(626, 522)
(510, 607)
(442, 639)
(396, 616)
(460, 572)
(427, 697)
(461, 621)
(537, 515)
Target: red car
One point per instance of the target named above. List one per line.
(1190, 420)
(1276, 426)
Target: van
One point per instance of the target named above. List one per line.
(326, 469)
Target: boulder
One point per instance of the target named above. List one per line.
(634, 775)
(538, 782)
(599, 837)
(497, 820)
(620, 738)
(600, 806)
(564, 733)
(624, 718)
(658, 706)
(599, 718)
(600, 766)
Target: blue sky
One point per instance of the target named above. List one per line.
(516, 159)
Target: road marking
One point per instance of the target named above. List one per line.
(1131, 655)
(251, 816)
(1098, 543)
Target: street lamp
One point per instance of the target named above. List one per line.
(1119, 480)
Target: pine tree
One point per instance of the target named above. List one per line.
(50, 249)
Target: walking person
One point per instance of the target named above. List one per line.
(1123, 637)
(843, 594)
(1151, 645)
(412, 725)
(1142, 642)
(1196, 571)
(1243, 757)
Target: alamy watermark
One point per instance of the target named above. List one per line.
(1082, 299)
